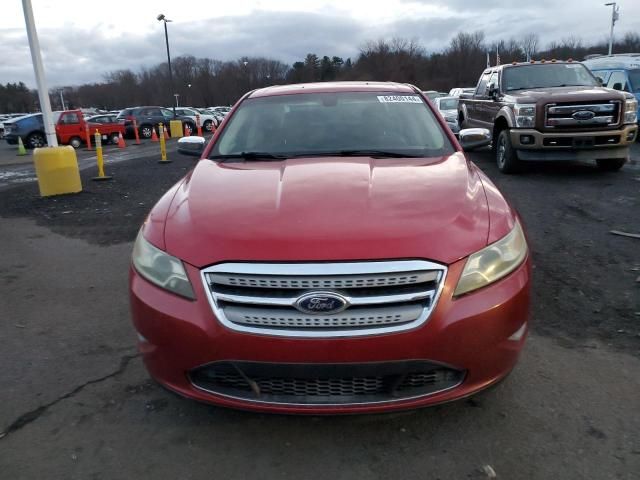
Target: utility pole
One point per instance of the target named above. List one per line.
(62, 100)
(36, 58)
(615, 15)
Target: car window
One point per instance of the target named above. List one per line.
(493, 79)
(482, 84)
(166, 113)
(70, 118)
(618, 81)
(334, 122)
(634, 78)
(448, 103)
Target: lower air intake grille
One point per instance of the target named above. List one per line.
(323, 384)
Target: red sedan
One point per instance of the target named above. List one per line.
(333, 251)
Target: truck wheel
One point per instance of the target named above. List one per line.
(146, 131)
(75, 142)
(611, 164)
(506, 157)
(36, 140)
(208, 126)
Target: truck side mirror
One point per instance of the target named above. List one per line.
(472, 138)
(492, 90)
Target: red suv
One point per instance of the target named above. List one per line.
(333, 252)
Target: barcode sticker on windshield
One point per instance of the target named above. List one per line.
(399, 99)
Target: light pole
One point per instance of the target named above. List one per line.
(62, 100)
(615, 15)
(162, 18)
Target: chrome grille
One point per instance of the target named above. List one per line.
(381, 296)
(568, 116)
(318, 384)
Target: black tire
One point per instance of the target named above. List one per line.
(75, 142)
(506, 157)
(208, 126)
(146, 131)
(113, 138)
(36, 140)
(611, 164)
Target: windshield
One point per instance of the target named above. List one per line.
(634, 79)
(333, 123)
(549, 75)
(449, 104)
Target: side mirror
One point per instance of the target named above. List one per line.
(472, 138)
(192, 146)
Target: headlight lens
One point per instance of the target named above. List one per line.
(493, 262)
(631, 111)
(161, 268)
(525, 115)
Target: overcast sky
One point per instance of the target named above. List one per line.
(81, 40)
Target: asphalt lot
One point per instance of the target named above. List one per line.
(77, 402)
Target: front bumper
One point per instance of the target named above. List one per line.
(607, 144)
(480, 334)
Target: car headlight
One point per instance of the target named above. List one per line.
(631, 111)
(493, 262)
(525, 115)
(161, 268)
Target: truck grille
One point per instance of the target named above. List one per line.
(322, 384)
(582, 116)
(378, 297)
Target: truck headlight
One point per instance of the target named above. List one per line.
(525, 115)
(630, 111)
(161, 268)
(493, 262)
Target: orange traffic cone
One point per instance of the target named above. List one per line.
(166, 133)
(121, 143)
(154, 135)
(187, 130)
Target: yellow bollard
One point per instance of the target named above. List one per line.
(57, 170)
(101, 176)
(163, 146)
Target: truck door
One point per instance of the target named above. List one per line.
(487, 107)
(69, 126)
(472, 103)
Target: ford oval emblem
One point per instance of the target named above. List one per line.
(321, 303)
(583, 115)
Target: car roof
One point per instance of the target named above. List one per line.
(333, 87)
(624, 61)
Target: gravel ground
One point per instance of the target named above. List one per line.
(77, 402)
(586, 279)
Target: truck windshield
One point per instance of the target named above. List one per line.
(343, 123)
(547, 75)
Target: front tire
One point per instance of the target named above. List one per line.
(36, 140)
(506, 157)
(611, 164)
(75, 142)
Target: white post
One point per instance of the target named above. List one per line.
(614, 17)
(43, 92)
(62, 101)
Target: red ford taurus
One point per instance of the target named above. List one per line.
(333, 251)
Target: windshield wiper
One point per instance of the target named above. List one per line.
(356, 153)
(250, 156)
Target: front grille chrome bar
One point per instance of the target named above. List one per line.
(380, 296)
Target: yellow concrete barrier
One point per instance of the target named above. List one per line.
(57, 170)
(176, 128)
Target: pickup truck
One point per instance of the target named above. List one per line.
(70, 129)
(541, 111)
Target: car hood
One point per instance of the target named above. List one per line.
(565, 94)
(328, 209)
